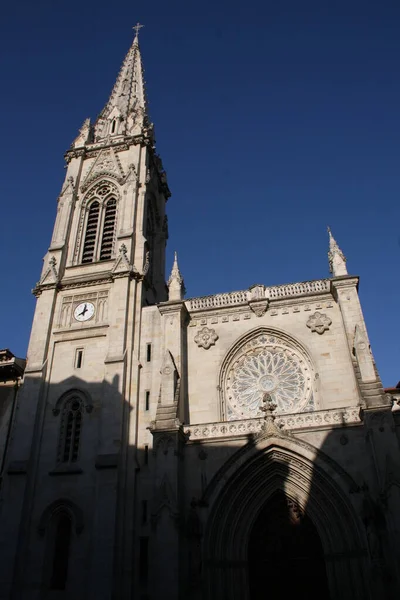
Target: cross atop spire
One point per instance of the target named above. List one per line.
(125, 113)
(136, 29)
(337, 260)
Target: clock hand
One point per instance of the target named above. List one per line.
(85, 309)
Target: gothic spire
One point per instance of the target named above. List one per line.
(176, 285)
(337, 260)
(126, 110)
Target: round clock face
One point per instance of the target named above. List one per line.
(84, 311)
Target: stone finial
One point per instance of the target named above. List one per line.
(176, 285)
(337, 260)
(268, 407)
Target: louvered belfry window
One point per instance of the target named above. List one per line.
(70, 431)
(108, 230)
(91, 233)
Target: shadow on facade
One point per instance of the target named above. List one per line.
(89, 514)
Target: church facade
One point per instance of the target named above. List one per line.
(222, 447)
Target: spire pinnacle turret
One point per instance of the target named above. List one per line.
(176, 285)
(337, 260)
(126, 110)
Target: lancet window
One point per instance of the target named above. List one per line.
(62, 544)
(107, 240)
(91, 232)
(99, 220)
(71, 426)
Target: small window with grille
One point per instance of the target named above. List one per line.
(108, 230)
(71, 426)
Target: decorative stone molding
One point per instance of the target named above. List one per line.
(304, 288)
(122, 266)
(206, 338)
(106, 164)
(69, 303)
(217, 300)
(146, 265)
(255, 293)
(319, 322)
(322, 419)
(259, 307)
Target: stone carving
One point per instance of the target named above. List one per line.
(206, 338)
(146, 265)
(269, 427)
(50, 276)
(107, 163)
(257, 292)
(122, 266)
(319, 322)
(320, 419)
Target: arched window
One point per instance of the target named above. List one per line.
(71, 425)
(91, 233)
(62, 543)
(108, 230)
(113, 127)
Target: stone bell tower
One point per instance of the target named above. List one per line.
(75, 420)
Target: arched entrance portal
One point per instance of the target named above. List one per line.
(252, 524)
(285, 553)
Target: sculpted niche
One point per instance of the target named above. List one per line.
(266, 361)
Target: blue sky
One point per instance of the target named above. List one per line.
(273, 119)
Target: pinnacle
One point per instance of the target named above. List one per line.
(337, 260)
(175, 282)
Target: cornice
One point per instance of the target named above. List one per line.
(91, 150)
(345, 281)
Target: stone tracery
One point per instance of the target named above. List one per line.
(267, 364)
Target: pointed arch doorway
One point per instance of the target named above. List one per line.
(285, 554)
(251, 496)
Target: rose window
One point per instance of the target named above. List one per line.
(267, 366)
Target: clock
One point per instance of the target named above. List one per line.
(84, 311)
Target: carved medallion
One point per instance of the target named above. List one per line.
(205, 338)
(319, 322)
